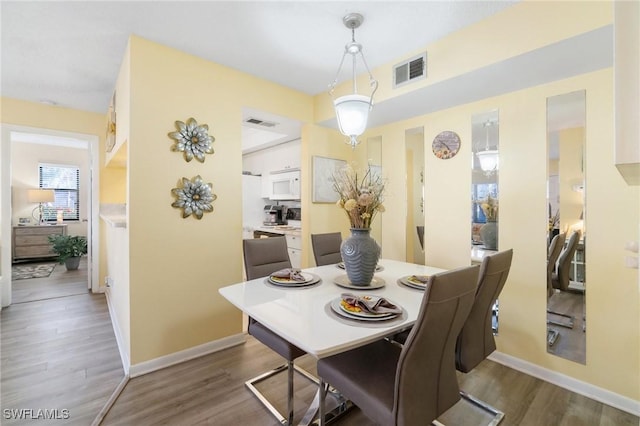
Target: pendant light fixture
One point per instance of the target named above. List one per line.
(352, 111)
(489, 160)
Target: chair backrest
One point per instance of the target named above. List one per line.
(262, 256)
(426, 383)
(420, 230)
(554, 252)
(326, 248)
(475, 342)
(564, 261)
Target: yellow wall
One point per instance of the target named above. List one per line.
(611, 289)
(612, 207)
(571, 143)
(320, 217)
(114, 184)
(176, 264)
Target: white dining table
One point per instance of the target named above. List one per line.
(302, 315)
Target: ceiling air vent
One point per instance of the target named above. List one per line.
(259, 122)
(410, 70)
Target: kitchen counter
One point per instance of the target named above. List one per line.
(280, 229)
(117, 221)
(114, 215)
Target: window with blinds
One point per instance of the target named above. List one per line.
(65, 181)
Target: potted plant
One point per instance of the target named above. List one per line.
(69, 248)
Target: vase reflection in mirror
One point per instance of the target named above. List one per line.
(484, 179)
(485, 164)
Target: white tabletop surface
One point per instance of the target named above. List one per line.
(300, 314)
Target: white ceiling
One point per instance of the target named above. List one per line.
(69, 53)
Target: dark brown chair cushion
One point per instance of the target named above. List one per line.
(326, 248)
(262, 256)
(415, 384)
(560, 279)
(475, 341)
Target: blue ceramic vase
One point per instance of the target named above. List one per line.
(360, 255)
(489, 235)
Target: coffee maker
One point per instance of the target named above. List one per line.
(274, 215)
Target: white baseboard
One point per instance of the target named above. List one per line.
(590, 391)
(186, 355)
(124, 356)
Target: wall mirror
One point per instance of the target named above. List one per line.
(374, 158)
(566, 238)
(414, 150)
(485, 165)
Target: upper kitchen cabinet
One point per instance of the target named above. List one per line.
(627, 84)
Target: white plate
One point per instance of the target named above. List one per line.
(338, 309)
(364, 314)
(343, 281)
(284, 282)
(378, 266)
(411, 283)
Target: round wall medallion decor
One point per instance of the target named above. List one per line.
(446, 145)
(192, 139)
(194, 197)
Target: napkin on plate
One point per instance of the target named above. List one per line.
(419, 278)
(292, 274)
(373, 305)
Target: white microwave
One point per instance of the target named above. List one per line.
(284, 184)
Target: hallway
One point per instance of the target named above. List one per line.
(58, 353)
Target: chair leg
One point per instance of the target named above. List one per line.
(498, 415)
(561, 324)
(321, 407)
(290, 391)
(290, 367)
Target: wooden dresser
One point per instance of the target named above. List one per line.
(31, 242)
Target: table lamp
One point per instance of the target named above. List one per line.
(40, 196)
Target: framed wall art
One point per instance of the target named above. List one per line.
(323, 171)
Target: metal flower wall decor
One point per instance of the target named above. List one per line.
(194, 197)
(192, 139)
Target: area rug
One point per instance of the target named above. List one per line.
(24, 272)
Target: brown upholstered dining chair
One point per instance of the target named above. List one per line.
(263, 256)
(414, 383)
(326, 248)
(555, 248)
(552, 258)
(560, 280)
(476, 341)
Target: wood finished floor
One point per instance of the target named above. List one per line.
(210, 390)
(59, 284)
(572, 342)
(61, 353)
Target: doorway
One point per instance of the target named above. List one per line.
(17, 176)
